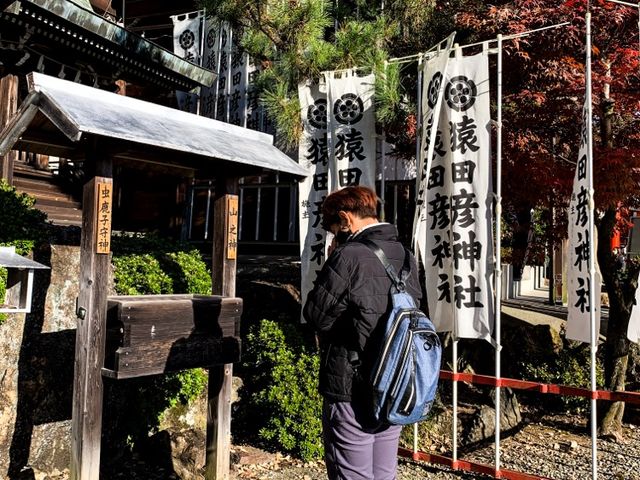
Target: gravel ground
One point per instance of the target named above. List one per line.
(556, 447)
(553, 446)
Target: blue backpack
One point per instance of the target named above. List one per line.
(405, 374)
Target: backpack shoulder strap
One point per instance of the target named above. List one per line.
(399, 281)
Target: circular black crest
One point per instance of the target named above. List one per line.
(348, 109)
(317, 113)
(434, 88)
(187, 39)
(211, 37)
(460, 93)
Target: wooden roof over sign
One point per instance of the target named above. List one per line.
(58, 114)
(47, 35)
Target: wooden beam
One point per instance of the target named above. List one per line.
(224, 283)
(8, 108)
(86, 420)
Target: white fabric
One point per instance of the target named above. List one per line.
(233, 90)
(313, 156)
(186, 44)
(211, 61)
(459, 247)
(186, 36)
(432, 93)
(352, 142)
(580, 249)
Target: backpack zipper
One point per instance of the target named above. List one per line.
(385, 351)
(410, 402)
(408, 348)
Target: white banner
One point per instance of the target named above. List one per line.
(352, 142)
(232, 99)
(211, 61)
(186, 44)
(578, 281)
(432, 93)
(186, 36)
(223, 87)
(313, 155)
(459, 244)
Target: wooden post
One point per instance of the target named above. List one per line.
(86, 420)
(225, 231)
(8, 107)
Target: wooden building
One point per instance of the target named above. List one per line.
(86, 42)
(62, 127)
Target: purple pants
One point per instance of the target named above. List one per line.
(352, 453)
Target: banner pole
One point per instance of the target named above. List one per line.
(203, 32)
(458, 54)
(454, 430)
(218, 61)
(383, 154)
(418, 144)
(592, 270)
(498, 276)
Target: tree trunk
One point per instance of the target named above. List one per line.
(620, 285)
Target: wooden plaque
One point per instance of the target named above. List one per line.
(232, 227)
(104, 196)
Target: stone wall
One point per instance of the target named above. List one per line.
(36, 371)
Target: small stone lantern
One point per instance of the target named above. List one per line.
(19, 281)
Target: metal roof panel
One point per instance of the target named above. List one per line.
(78, 109)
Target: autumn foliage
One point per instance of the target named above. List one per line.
(544, 89)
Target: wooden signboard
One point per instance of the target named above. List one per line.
(232, 227)
(104, 196)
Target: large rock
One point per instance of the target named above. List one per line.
(481, 424)
(270, 289)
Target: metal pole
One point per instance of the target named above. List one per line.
(218, 61)
(229, 76)
(206, 218)
(240, 209)
(246, 89)
(418, 145)
(498, 275)
(454, 435)
(203, 34)
(383, 154)
(592, 268)
(454, 430)
(275, 208)
(193, 192)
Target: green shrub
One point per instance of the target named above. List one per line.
(281, 380)
(148, 264)
(22, 225)
(189, 273)
(570, 367)
(140, 275)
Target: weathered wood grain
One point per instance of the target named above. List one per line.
(170, 356)
(8, 108)
(152, 334)
(220, 378)
(86, 422)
